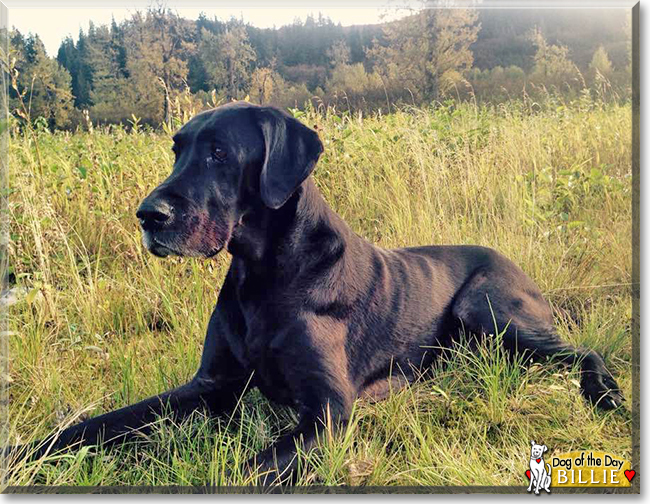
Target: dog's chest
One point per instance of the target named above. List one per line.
(269, 373)
(257, 352)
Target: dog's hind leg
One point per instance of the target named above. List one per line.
(382, 388)
(526, 322)
(596, 382)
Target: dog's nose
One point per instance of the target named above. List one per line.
(154, 213)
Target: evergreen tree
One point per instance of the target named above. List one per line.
(84, 77)
(110, 97)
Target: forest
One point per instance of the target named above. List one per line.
(157, 65)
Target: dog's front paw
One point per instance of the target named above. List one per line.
(260, 475)
(11, 455)
(12, 458)
(271, 468)
(602, 390)
(261, 470)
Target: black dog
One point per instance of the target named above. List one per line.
(316, 315)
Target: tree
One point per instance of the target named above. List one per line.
(68, 58)
(264, 83)
(354, 86)
(83, 78)
(339, 53)
(41, 87)
(600, 62)
(457, 31)
(421, 51)
(552, 64)
(228, 58)
(105, 61)
(159, 45)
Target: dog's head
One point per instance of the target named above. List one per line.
(537, 451)
(229, 161)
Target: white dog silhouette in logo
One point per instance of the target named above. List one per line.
(539, 476)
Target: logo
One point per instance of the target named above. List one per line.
(578, 469)
(539, 472)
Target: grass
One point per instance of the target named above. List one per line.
(104, 324)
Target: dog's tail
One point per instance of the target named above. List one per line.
(549, 468)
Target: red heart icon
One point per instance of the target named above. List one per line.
(538, 460)
(528, 474)
(630, 475)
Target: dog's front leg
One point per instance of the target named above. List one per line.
(279, 463)
(118, 425)
(217, 386)
(135, 420)
(319, 384)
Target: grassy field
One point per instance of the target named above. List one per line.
(102, 323)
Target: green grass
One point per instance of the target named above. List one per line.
(105, 324)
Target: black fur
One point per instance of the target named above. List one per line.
(314, 313)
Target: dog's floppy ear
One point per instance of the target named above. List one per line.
(292, 150)
(545, 448)
(532, 443)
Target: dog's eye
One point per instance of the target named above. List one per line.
(219, 155)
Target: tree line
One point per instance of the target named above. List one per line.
(157, 65)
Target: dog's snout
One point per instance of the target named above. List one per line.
(154, 213)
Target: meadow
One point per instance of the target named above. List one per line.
(100, 323)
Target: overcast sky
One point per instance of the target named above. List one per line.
(52, 23)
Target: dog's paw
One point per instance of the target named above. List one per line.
(602, 390)
(11, 458)
(271, 468)
(11, 455)
(261, 470)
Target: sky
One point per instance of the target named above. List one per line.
(55, 19)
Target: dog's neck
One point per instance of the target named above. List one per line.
(304, 227)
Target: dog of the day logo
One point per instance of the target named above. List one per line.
(539, 472)
(578, 469)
